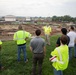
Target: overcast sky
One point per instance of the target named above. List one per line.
(38, 7)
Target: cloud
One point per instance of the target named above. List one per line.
(37, 7)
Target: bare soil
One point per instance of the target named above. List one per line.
(7, 31)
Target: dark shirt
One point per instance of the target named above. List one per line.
(58, 41)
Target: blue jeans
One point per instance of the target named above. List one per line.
(75, 50)
(59, 72)
(70, 52)
(23, 48)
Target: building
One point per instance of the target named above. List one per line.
(10, 18)
(28, 19)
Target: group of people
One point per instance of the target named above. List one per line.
(60, 56)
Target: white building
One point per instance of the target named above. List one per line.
(28, 19)
(10, 18)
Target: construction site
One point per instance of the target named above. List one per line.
(7, 31)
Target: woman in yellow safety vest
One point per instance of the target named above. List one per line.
(60, 56)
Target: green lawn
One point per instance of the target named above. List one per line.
(12, 67)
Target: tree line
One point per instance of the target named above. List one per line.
(65, 18)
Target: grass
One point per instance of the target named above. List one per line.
(12, 67)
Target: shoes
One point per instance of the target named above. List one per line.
(48, 44)
(26, 61)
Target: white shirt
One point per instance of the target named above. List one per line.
(72, 36)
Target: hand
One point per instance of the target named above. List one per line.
(53, 59)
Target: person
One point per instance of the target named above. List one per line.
(20, 37)
(75, 48)
(75, 45)
(64, 32)
(1, 67)
(72, 36)
(60, 56)
(47, 30)
(37, 47)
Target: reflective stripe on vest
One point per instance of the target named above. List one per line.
(60, 56)
(20, 38)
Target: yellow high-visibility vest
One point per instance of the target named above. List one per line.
(47, 29)
(20, 36)
(62, 55)
(0, 42)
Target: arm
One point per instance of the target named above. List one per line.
(0, 47)
(28, 35)
(30, 48)
(44, 47)
(26, 38)
(75, 40)
(15, 37)
(54, 56)
(58, 42)
(68, 40)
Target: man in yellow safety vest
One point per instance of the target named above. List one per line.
(47, 31)
(20, 37)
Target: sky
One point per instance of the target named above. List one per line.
(33, 8)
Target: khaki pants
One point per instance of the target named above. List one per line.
(47, 38)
